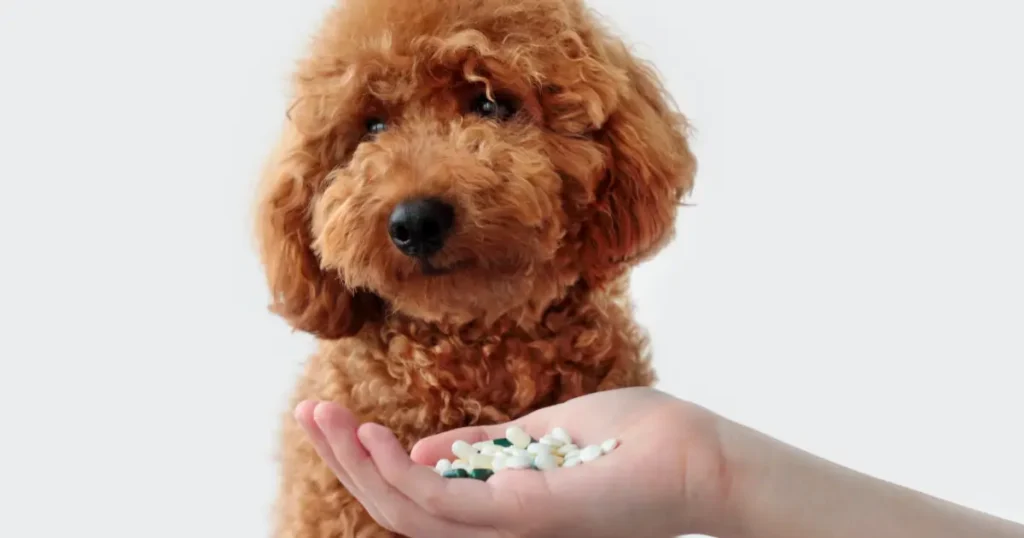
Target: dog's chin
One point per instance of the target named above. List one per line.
(429, 269)
(464, 291)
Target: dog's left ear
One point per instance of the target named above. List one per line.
(650, 169)
(309, 298)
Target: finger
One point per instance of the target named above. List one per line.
(306, 412)
(304, 415)
(339, 430)
(470, 502)
(387, 505)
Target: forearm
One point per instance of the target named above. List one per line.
(778, 491)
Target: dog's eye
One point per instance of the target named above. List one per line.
(375, 126)
(501, 108)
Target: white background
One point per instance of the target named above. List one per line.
(849, 279)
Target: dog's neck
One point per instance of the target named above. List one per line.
(584, 342)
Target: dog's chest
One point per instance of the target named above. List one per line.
(419, 381)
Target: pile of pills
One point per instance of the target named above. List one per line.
(517, 450)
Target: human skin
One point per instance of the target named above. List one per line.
(680, 469)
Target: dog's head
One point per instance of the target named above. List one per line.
(459, 160)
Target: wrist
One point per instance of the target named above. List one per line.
(753, 486)
(723, 468)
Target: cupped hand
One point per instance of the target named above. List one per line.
(666, 478)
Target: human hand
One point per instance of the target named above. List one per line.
(665, 478)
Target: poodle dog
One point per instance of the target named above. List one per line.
(459, 193)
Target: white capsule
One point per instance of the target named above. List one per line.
(562, 435)
(538, 448)
(461, 464)
(442, 466)
(518, 462)
(609, 445)
(590, 453)
(482, 445)
(550, 441)
(491, 450)
(516, 451)
(463, 450)
(498, 463)
(545, 461)
(566, 449)
(571, 462)
(481, 461)
(517, 437)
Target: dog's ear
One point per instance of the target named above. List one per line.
(649, 167)
(309, 298)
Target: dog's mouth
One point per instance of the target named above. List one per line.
(427, 268)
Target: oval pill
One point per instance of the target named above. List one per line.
(562, 435)
(550, 441)
(545, 461)
(538, 448)
(590, 453)
(565, 449)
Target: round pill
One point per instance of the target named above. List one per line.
(571, 462)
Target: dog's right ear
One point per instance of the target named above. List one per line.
(309, 298)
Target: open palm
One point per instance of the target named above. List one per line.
(659, 482)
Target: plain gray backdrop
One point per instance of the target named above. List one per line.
(848, 278)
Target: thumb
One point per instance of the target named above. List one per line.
(431, 449)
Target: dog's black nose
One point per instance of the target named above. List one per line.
(419, 227)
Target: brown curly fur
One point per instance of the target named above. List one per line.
(552, 210)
